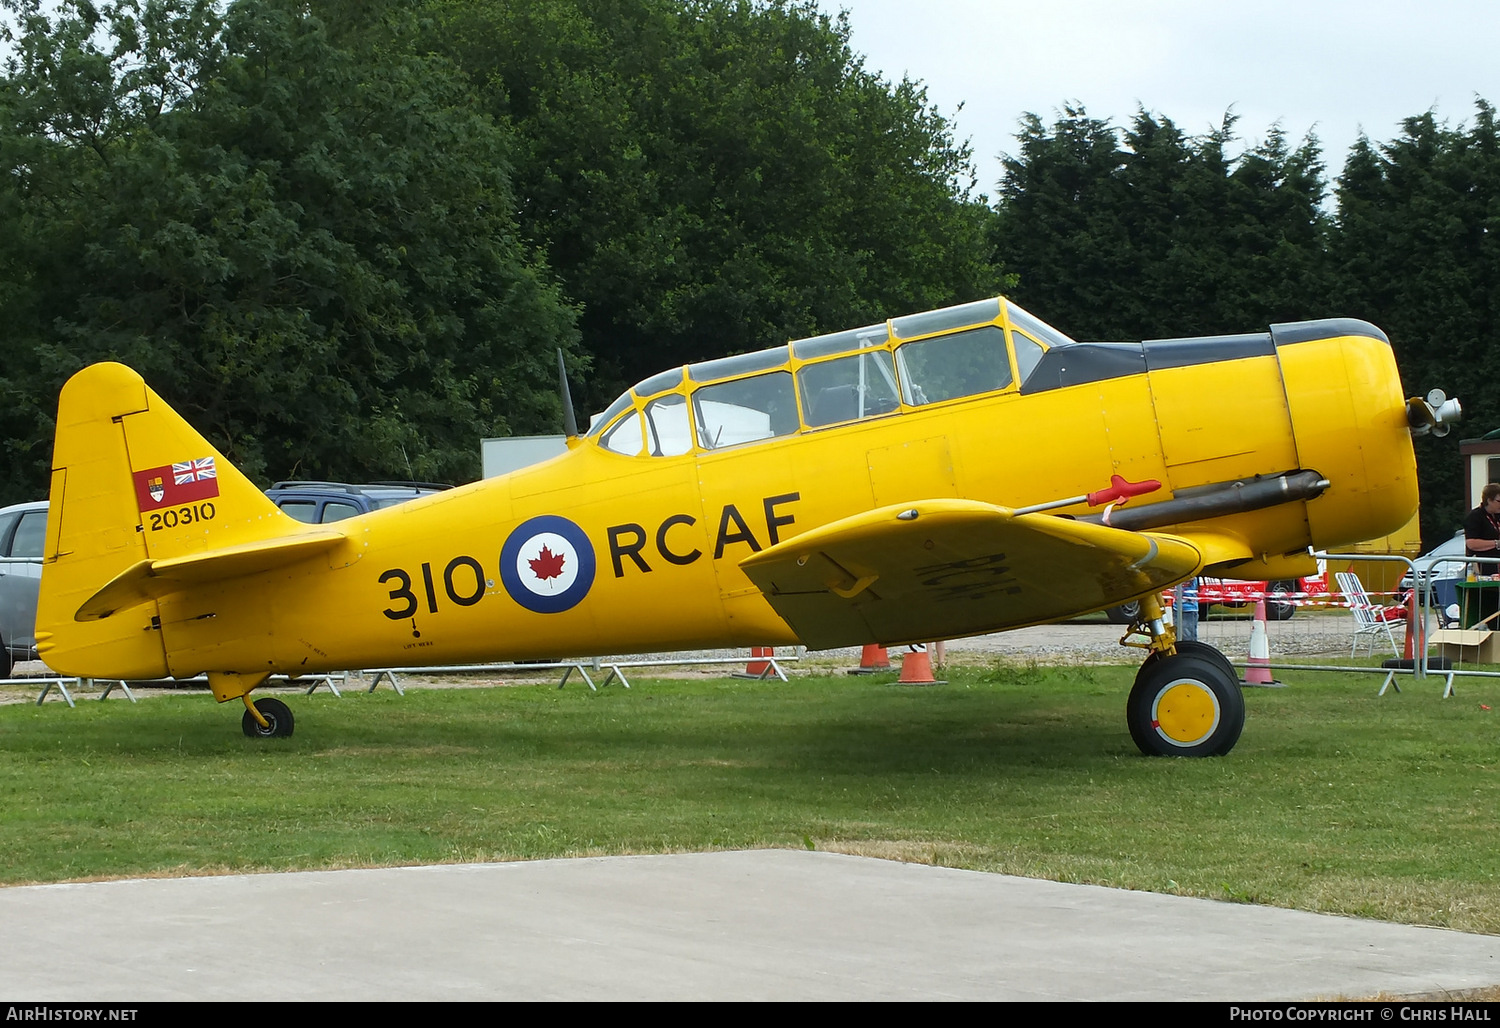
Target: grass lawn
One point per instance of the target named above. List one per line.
(1334, 800)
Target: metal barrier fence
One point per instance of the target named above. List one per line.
(1424, 586)
(1419, 666)
(772, 665)
(1218, 633)
(769, 662)
(61, 683)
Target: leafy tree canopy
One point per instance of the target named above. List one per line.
(346, 236)
(309, 249)
(1417, 247)
(1148, 232)
(719, 175)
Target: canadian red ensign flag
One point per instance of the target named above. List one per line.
(187, 481)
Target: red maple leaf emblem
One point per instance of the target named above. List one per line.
(547, 564)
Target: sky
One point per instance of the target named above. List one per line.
(1332, 67)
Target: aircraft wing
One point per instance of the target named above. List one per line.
(153, 579)
(940, 569)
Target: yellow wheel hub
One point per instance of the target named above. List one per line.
(1186, 713)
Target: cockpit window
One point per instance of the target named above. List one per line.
(1035, 326)
(668, 433)
(839, 342)
(601, 421)
(739, 364)
(928, 322)
(1028, 354)
(950, 366)
(745, 410)
(839, 377)
(624, 436)
(848, 388)
(658, 383)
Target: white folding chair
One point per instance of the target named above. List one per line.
(1369, 617)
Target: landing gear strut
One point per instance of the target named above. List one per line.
(266, 718)
(276, 715)
(1186, 701)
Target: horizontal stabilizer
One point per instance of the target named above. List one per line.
(941, 569)
(153, 579)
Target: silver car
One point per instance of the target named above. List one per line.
(23, 530)
(1442, 575)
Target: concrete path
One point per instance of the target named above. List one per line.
(771, 924)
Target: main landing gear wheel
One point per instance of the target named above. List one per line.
(1185, 705)
(1195, 648)
(278, 720)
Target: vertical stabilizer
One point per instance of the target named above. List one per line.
(131, 482)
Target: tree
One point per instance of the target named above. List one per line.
(1417, 247)
(720, 175)
(1148, 232)
(1059, 228)
(310, 250)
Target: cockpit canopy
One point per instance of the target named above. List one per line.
(823, 381)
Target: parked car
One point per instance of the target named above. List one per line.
(318, 503)
(23, 530)
(1439, 571)
(1281, 596)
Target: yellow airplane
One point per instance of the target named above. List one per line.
(947, 473)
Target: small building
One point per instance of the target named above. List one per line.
(511, 453)
(1481, 463)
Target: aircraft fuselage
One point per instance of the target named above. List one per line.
(633, 540)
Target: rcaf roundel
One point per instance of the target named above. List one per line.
(547, 564)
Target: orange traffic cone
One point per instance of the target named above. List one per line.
(916, 668)
(1259, 670)
(757, 668)
(1411, 622)
(873, 660)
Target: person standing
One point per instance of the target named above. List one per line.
(1187, 606)
(1482, 526)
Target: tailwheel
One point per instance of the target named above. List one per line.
(278, 720)
(1185, 704)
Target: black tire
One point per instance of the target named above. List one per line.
(6, 663)
(1124, 614)
(278, 714)
(1278, 606)
(1185, 705)
(1195, 648)
(1406, 664)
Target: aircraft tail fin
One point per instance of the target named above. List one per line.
(132, 482)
